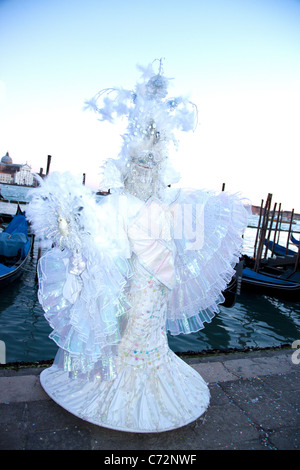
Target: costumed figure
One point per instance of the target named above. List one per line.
(120, 273)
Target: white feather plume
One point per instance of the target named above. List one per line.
(62, 211)
(153, 118)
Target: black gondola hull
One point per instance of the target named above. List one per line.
(290, 293)
(12, 276)
(11, 272)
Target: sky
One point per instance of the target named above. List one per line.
(237, 60)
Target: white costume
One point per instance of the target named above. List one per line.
(121, 273)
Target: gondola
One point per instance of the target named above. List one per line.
(15, 244)
(268, 284)
(233, 288)
(279, 249)
(294, 240)
(229, 294)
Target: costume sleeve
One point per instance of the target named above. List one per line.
(208, 236)
(82, 275)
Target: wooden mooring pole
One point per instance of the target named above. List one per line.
(276, 228)
(279, 229)
(289, 233)
(48, 164)
(270, 229)
(258, 227)
(263, 231)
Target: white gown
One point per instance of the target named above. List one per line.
(129, 379)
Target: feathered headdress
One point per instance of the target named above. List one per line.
(152, 119)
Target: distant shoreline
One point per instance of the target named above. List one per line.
(18, 185)
(285, 214)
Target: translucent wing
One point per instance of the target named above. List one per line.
(208, 236)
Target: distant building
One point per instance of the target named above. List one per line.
(15, 173)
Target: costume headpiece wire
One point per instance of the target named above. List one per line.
(153, 118)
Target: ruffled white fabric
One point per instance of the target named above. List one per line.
(153, 390)
(85, 312)
(82, 279)
(139, 400)
(216, 224)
